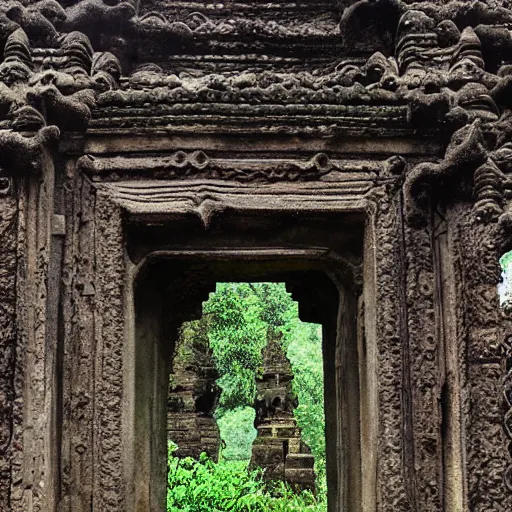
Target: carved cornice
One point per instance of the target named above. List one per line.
(198, 165)
(451, 59)
(206, 198)
(437, 72)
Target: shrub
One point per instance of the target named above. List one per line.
(203, 485)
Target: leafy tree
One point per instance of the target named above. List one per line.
(238, 433)
(237, 335)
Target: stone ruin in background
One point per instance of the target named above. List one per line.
(279, 447)
(193, 396)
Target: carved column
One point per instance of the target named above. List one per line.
(109, 492)
(33, 442)
(79, 347)
(94, 274)
(8, 257)
(394, 489)
(478, 255)
(423, 367)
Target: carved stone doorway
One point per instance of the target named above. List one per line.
(321, 272)
(367, 143)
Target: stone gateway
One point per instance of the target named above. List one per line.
(359, 151)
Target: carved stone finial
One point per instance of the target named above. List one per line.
(17, 48)
(465, 153)
(415, 36)
(105, 71)
(17, 65)
(20, 155)
(78, 50)
(469, 47)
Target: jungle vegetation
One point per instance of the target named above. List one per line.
(238, 319)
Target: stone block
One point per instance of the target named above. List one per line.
(300, 461)
(302, 478)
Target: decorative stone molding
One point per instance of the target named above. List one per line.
(198, 165)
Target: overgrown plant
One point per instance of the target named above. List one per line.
(238, 434)
(203, 485)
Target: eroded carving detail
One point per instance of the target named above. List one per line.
(20, 155)
(8, 233)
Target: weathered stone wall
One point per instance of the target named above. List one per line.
(116, 119)
(8, 257)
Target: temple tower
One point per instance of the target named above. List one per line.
(193, 395)
(279, 447)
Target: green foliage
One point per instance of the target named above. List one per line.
(193, 344)
(238, 320)
(277, 307)
(238, 389)
(237, 335)
(238, 433)
(199, 486)
(505, 287)
(506, 261)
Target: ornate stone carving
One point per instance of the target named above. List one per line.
(17, 65)
(34, 21)
(465, 153)
(8, 231)
(198, 165)
(329, 91)
(89, 15)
